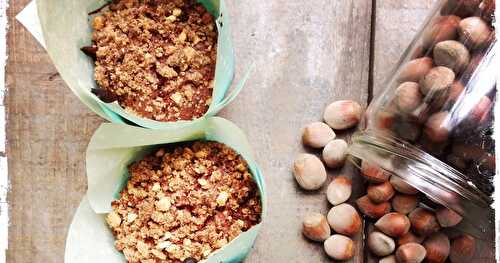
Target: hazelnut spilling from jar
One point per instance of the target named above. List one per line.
(414, 231)
(437, 109)
(441, 98)
(310, 173)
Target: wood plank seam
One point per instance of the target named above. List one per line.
(4, 180)
(373, 22)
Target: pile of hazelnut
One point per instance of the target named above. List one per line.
(310, 173)
(408, 227)
(443, 100)
(405, 231)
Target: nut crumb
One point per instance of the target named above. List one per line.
(184, 203)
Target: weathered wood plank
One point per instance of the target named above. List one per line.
(48, 130)
(307, 55)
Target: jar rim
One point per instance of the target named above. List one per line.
(431, 176)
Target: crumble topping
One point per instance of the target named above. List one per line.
(157, 56)
(184, 204)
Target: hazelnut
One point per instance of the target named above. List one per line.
(462, 8)
(371, 209)
(473, 67)
(436, 128)
(404, 204)
(415, 69)
(474, 32)
(401, 186)
(342, 114)
(463, 249)
(487, 8)
(452, 199)
(388, 259)
(456, 161)
(393, 224)
(468, 152)
(437, 81)
(380, 244)
(317, 135)
(339, 190)
(339, 247)
(384, 120)
(373, 172)
(315, 227)
(443, 28)
(451, 54)
(438, 248)
(98, 22)
(456, 90)
(481, 110)
(344, 219)
(309, 171)
(410, 237)
(434, 148)
(407, 128)
(423, 222)
(335, 153)
(379, 193)
(447, 217)
(410, 253)
(408, 96)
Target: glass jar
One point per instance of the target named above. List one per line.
(433, 124)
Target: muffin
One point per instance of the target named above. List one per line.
(156, 58)
(183, 203)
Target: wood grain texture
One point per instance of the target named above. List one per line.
(48, 130)
(307, 54)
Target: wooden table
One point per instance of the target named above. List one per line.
(308, 53)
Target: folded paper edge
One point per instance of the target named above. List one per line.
(28, 17)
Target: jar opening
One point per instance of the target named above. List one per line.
(440, 182)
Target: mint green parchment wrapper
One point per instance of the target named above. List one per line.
(66, 28)
(115, 146)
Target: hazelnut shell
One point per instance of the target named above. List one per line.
(339, 190)
(393, 224)
(309, 171)
(344, 219)
(342, 114)
(371, 209)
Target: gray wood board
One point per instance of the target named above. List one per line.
(307, 54)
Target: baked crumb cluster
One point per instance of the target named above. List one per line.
(182, 205)
(157, 56)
